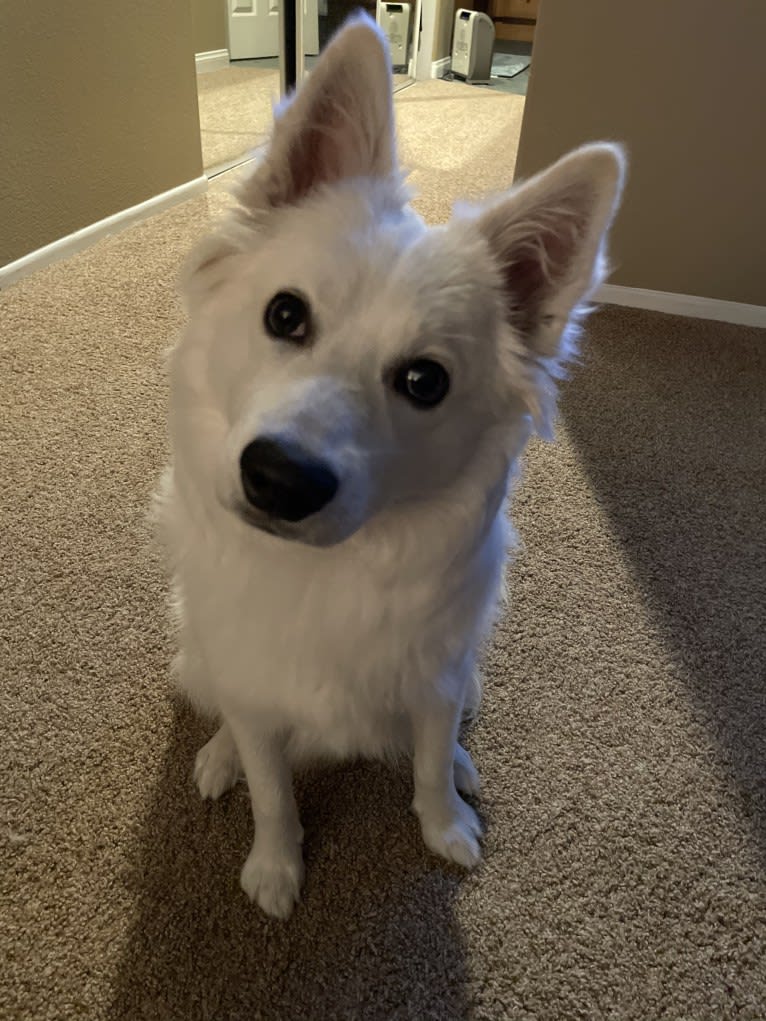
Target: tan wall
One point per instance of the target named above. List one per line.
(208, 25)
(98, 107)
(683, 83)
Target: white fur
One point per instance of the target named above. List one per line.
(357, 631)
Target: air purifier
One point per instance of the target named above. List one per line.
(472, 47)
(396, 22)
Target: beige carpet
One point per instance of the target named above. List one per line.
(622, 742)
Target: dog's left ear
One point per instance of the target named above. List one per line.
(339, 125)
(548, 237)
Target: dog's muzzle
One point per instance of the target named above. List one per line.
(283, 481)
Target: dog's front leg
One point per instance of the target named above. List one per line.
(273, 872)
(450, 827)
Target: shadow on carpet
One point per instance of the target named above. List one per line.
(373, 937)
(672, 434)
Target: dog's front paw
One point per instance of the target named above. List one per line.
(451, 831)
(273, 881)
(217, 767)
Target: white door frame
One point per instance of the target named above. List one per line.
(426, 9)
(413, 61)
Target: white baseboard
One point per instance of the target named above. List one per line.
(440, 67)
(212, 60)
(73, 243)
(684, 305)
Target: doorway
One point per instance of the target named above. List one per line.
(237, 45)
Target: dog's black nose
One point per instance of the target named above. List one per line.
(284, 481)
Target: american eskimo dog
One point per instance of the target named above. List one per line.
(349, 402)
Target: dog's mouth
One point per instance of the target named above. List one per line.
(303, 533)
(265, 523)
(306, 533)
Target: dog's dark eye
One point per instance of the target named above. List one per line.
(424, 383)
(287, 317)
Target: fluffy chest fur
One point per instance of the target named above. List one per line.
(335, 647)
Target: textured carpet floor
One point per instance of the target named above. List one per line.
(622, 741)
(460, 142)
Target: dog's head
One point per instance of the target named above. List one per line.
(343, 359)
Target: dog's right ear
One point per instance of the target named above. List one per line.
(339, 125)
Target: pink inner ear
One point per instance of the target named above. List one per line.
(536, 264)
(313, 158)
(343, 139)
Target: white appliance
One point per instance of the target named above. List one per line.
(396, 21)
(472, 47)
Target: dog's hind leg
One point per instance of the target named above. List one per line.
(472, 696)
(190, 668)
(217, 767)
(466, 775)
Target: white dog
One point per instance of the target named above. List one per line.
(349, 402)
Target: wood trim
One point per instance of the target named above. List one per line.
(515, 31)
(527, 10)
